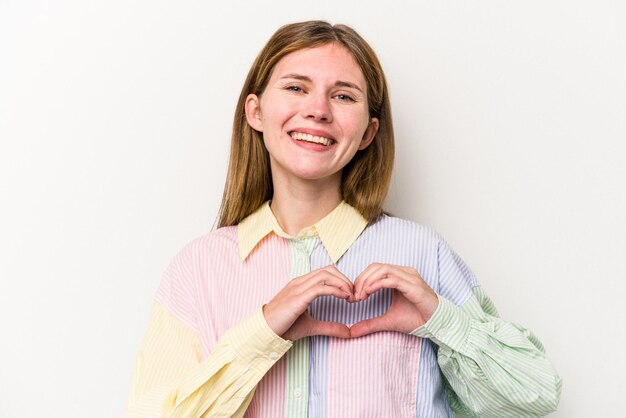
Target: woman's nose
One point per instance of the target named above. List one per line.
(318, 108)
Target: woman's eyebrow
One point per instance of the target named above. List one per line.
(302, 77)
(348, 85)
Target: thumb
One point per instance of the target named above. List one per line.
(331, 329)
(370, 326)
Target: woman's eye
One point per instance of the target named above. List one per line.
(344, 98)
(295, 88)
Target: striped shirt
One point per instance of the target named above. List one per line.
(209, 352)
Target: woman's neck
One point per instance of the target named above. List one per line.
(297, 208)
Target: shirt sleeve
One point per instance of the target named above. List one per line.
(171, 380)
(492, 368)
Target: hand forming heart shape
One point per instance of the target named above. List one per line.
(412, 305)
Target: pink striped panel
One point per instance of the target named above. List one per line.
(223, 290)
(373, 376)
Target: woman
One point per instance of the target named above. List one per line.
(309, 300)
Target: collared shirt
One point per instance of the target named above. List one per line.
(209, 352)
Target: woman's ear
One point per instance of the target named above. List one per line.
(369, 134)
(253, 112)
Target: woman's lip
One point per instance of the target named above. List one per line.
(315, 132)
(312, 146)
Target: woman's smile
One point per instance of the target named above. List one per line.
(312, 138)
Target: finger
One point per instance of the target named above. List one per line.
(295, 298)
(420, 295)
(369, 326)
(313, 275)
(329, 279)
(367, 272)
(387, 282)
(378, 272)
(407, 279)
(370, 271)
(335, 272)
(281, 315)
(409, 283)
(324, 289)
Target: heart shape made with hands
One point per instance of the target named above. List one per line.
(384, 297)
(384, 310)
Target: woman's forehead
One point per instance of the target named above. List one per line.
(327, 61)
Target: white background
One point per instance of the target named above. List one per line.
(115, 125)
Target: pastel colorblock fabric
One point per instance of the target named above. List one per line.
(209, 352)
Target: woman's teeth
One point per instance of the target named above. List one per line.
(298, 136)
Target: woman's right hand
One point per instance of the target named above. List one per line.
(287, 313)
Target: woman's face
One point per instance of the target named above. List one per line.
(313, 114)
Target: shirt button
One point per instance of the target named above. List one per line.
(310, 232)
(273, 355)
(297, 392)
(443, 332)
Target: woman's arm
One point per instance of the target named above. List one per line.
(173, 375)
(493, 368)
(171, 379)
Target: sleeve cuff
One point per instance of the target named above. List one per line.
(449, 327)
(256, 344)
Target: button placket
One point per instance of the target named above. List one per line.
(297, 358)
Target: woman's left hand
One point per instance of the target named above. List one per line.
(413, 303)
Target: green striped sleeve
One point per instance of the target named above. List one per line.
(492, 368)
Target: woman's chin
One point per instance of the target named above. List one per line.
(316, 175)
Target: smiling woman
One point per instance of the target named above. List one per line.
(309, 300)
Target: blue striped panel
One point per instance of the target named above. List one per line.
(394, 241)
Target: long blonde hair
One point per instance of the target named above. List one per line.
(365, 179)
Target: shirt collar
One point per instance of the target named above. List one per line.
(337, 231)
